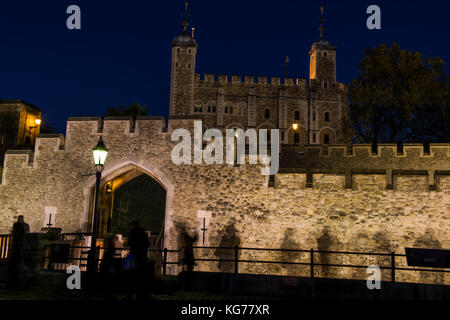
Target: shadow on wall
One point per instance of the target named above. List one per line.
(428, 241)
(230, 238)
(329, 242)
(289, 242)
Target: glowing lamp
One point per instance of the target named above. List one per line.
(100, 152)
(37, 121)
(295, 126)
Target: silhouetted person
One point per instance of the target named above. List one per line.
(138, 243)
(188, 260)
(15, 257)
(109, 267)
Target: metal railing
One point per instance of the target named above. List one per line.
(313, 262)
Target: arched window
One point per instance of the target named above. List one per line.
(195, 109)
(214, 109)
(225, 110)
(209, 109)
(327, 117)
(200, 109)
(231, 110)
(267, 114)
(296, 138)
(326, 139)
(297, 115)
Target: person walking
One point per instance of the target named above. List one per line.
(19, 229)
(138, 243)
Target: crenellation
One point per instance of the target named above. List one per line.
(236, 79)
(145, 124)
(116, 125)
(223, 78)
(262, 80)
(288, 82)
(275, 81)
(249, 79)
(208, 77)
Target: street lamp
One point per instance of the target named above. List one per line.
(295, 126)
(99, 152)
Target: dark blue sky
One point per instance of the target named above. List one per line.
(122, 53)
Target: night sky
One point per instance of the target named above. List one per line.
(122, 53)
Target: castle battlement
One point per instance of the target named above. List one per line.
(212, 79)
(359, 159)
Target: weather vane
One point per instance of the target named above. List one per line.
(186, 14)
(286, 66)
(322, 20)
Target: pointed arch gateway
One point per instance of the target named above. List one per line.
(118, 175)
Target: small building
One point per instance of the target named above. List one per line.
(19, 125)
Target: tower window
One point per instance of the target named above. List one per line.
(267, 114)
(231, 110)
(226, 110)
(325, 84)
(297, 115)
(200, 109)
(296, 138)
(314, 138)
(327, 117)
(178, 50)
(209, 108)
(314, 116)
(325, 54)
(189, 50)
(326, 139)
(282, 136)
(214, 109)
(189, 65)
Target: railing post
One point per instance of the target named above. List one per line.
(393, 267)
(236, 257)
(312, 262)
(165, 261)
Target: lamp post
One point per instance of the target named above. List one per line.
(99, 152)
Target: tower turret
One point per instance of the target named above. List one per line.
(322, 59)
(184, 49)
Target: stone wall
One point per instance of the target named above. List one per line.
(305, 208)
